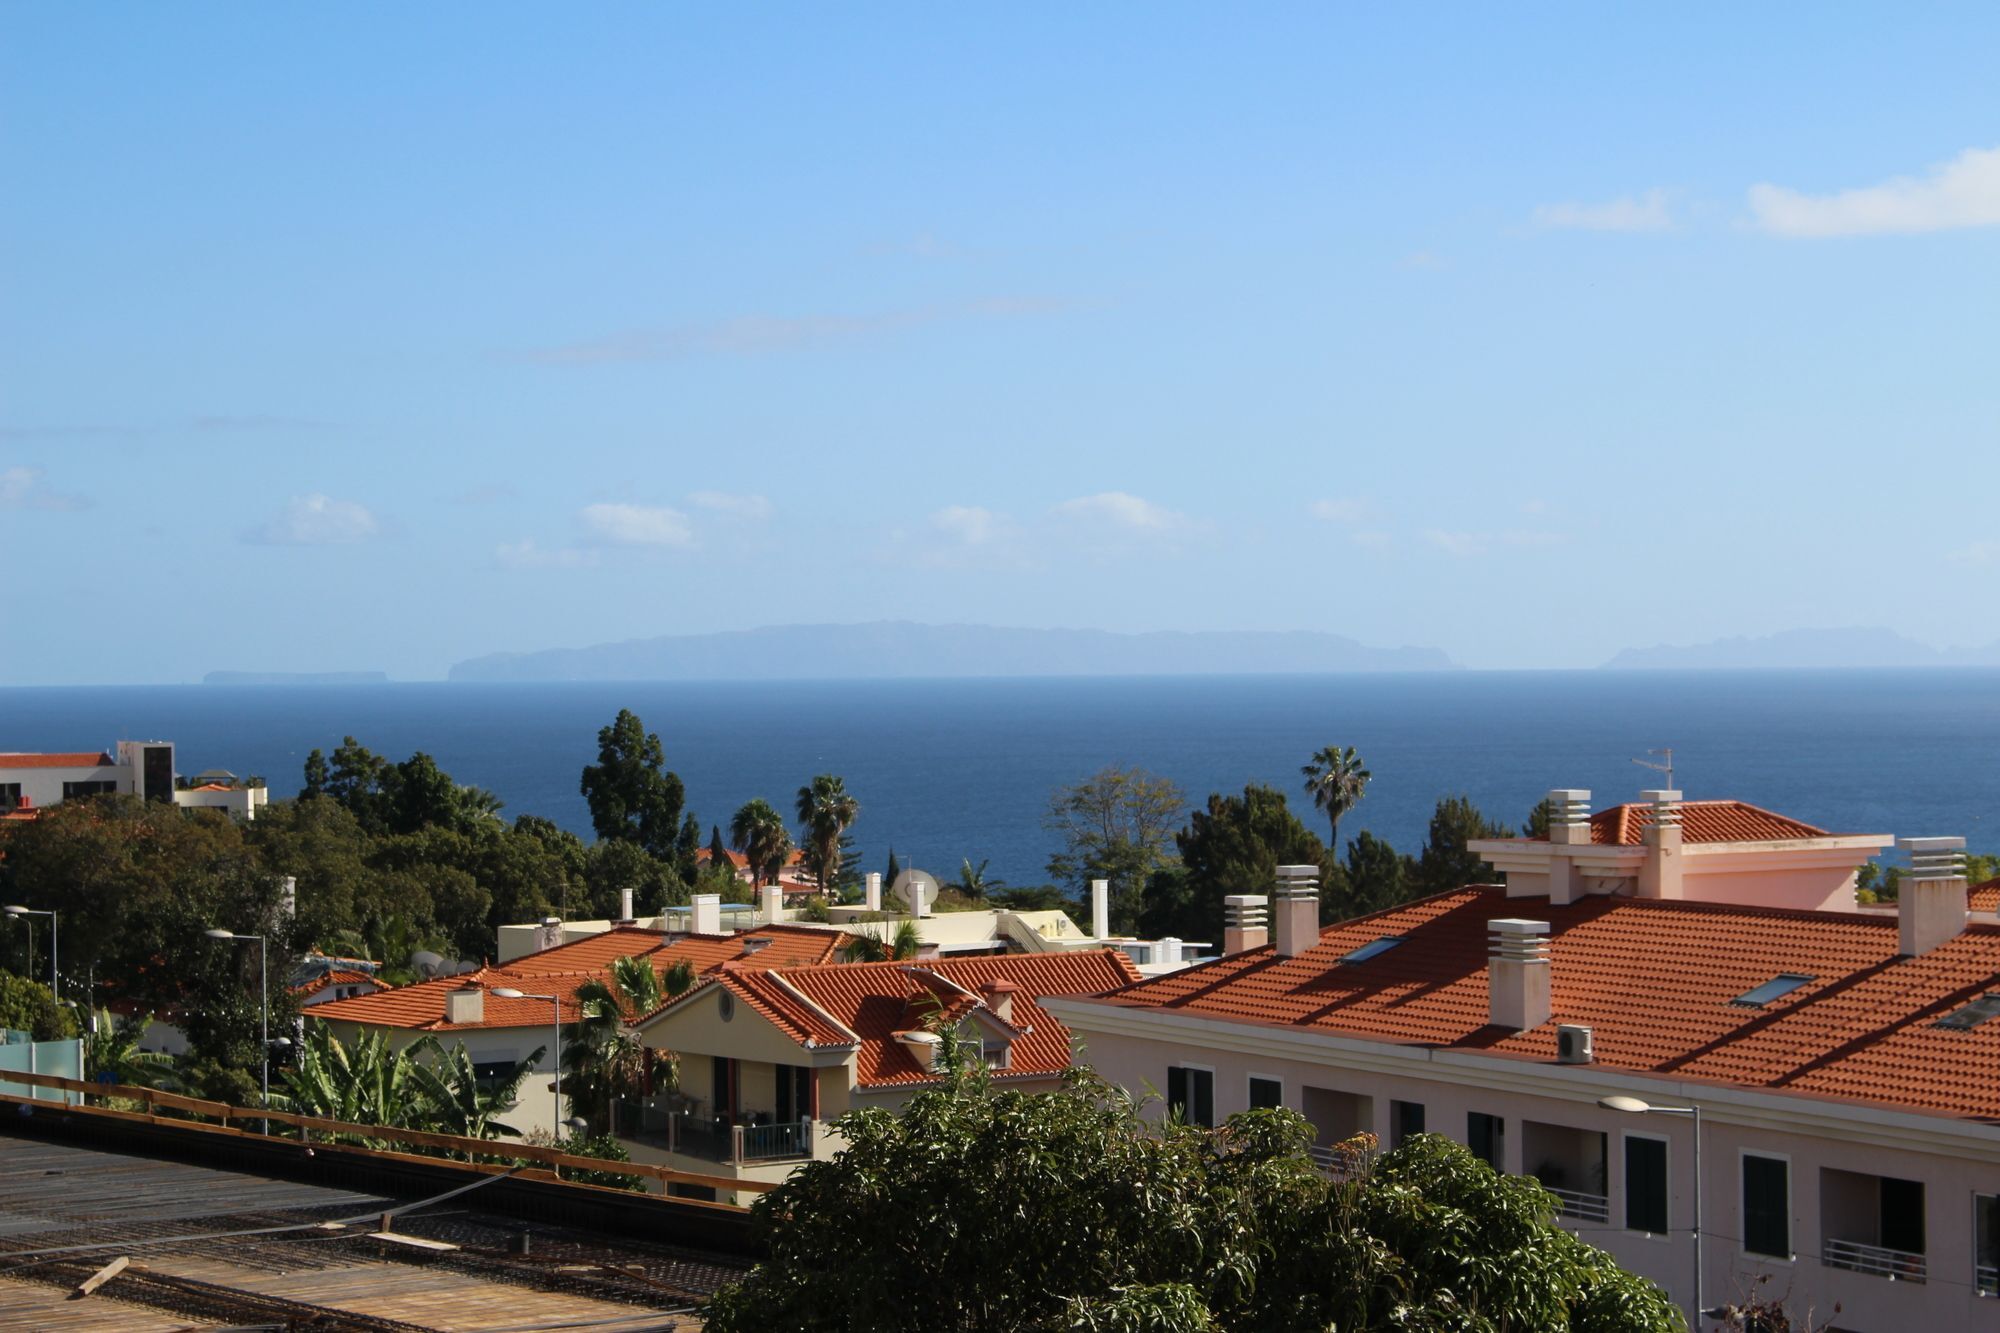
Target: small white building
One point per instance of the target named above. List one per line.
(30, 782)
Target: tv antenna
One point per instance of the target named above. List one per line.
(1666, 769)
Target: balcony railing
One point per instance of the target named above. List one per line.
(1578, 1206)
(758, 1143)
(721, 1142)
(1875, 1260)
(1986, 1279)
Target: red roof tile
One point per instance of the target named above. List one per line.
(1985, 897)
(80, 759)
(1701, 821)
(335, 977)
(1654, 979)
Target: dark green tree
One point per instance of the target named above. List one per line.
(1116, 825)
(1376, 876)
(1539, 818)
(317, 775)
(1236, 844)
(759, 832)
(29, 1006)
(632, 795)
(1445, 862)
(891, 870)
(357, 779)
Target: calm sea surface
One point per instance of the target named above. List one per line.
(963, 768)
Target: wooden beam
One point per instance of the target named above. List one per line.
(100, 1277)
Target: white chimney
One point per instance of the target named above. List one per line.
(773, 908)
(872, 895)
(1517, 974)
(1660, 875)
(706, 916)
(1297, 909)
(1931, 899)
(1245, 922)
(625, 917)
(550, 934)
(467, 1004)
(1100, 908)
(1167, 949)
(999, 996)
(1569, 815)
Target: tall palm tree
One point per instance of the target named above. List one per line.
(606, 1060)
(759, 833)
(1336, 781)
(826, 812)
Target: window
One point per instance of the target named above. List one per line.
(1372, 949)
(1405, 1119)
(1971, 1015)
(1782, 984)
(1265, 1092)
(1191, 1094)
(1903, 1215)
(1986, 1244)
(1767, 1206)
(72, 790)
(10, 795)
(1646, 1185)
(1486, 1135)
(488, 1074)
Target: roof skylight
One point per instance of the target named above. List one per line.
(1972, 1015)
(1782, 984)
(1372, 949)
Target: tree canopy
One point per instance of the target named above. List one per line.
(1118, 825)
(1336, 781)
(632, 795)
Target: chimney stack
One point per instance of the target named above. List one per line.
(1517, 974)
(705, 918)
(1569, 815)
(1297, 909)
(1245, 922)
(625, 917)
(467, 1004)
(773, 906)
(872, 895)
(1931, 899)
(1660, 875)
(550, 935)
(999, 996)
(1100, 908)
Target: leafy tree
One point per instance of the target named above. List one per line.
(453, 1099)
(1108, 1221)
(1539, 819)
(632, 795)
(1235, 845)
(424, 1086)
(1445, 862)
(1376, 877)
(718, 851)
(607, 1147)
(891, 870)
(1336, 782)
(30, 1007)
(614, 865)
(317, 775)
(1041, 898)
(357, 779)
(826, 811)
(1115, 825)
(759, 833)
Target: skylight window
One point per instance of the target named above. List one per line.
(1372, 949)
(1973, 1014)
(1782, 984)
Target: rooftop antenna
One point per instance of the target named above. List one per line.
(1665, 769)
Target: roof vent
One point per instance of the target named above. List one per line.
(755, 944)
(1245, 922)
(1573, 1045)
(1297, 909)
(1517, 974)
(467, 1004)
(1931, 905)
(1569, 815)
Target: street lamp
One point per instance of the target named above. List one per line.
(1636, 1106)
(55, 980)
(264, 1004)
(509, 993)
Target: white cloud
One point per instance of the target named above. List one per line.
(1121, 510)
(23, 488)
(1964, 192)
(529, 555)
(1338, 511)
(637, 525)
(1646, 212)
(1985, 551)
(755, 507)
(970, 525)
(317, 520)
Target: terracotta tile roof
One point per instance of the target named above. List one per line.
(563, 969)
(1985, 897)
(334, 977)
(1654, 979)
(877, 1000)
(1701, 821)
(80, 759)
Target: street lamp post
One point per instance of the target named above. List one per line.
(1637, 1106)
(55, 977)
(264, 1004)
(555, 1115)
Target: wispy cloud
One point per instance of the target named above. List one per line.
(1484, 543)
(753, 335)
(637, 525)
(1645, 212)
(1425, 260)
(1339, 511)
(754, 507)
(1985, 551)
(1121, 510)
(25, 488)
(529, 555)
(317, 520)
(1964, 192)
(970, 525)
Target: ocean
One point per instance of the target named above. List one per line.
(947, 770)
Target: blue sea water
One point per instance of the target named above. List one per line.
(951, 769)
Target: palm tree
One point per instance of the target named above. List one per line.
(606, 1060)
(759, 833)
(826, 812)
(1336, 781)
(454, 1099)
(872, 947)
(974, 882)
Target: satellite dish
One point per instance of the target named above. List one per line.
(912, 884)
(426, 962)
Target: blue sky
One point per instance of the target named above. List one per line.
(380, 337)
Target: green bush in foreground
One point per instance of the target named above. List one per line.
(983, 1210)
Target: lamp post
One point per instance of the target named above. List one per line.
(264, 1004)
(509, 993)
(1637, 1106)
(55, 978)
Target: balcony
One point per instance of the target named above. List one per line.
(1875, 1260)
(718, 1141)
(1580, 1206)
(1986, 1279)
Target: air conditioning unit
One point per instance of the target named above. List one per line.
(1573, 1044)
